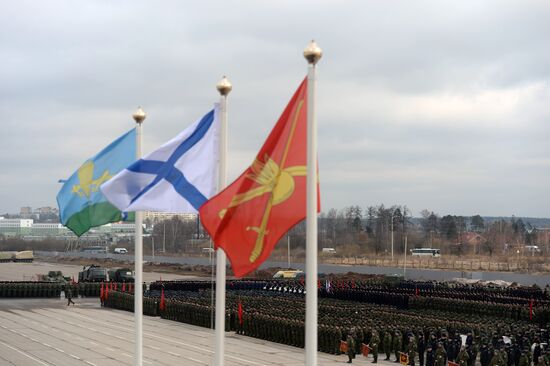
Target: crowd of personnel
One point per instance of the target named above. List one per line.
(430, 322)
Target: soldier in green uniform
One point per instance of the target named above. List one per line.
(387, 344)
(69, 295)
(497, 360)
(373, 344)
(411, 350)
(463, 357)
(440, 355)
(523, 359)
(396, 344)
(351, 346)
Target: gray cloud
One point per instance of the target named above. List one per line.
(431, 104)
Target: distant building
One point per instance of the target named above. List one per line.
(27, 229)
(160, 216)
(15, 227)
(25, 212)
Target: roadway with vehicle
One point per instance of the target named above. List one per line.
(414, 274)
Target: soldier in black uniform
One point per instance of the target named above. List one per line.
(421, 347)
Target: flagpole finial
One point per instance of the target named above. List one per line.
(139, 115)
(224, 86)
(313, 53)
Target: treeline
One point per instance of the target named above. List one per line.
(352, 231)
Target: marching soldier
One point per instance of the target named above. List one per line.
(374, 341)
(463, 357)
(430, 356)
(411, 351)
(440, 355)
(396, 344)
(387, 344)
(69, 295)
(351, 346)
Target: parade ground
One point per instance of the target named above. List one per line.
(47, 332)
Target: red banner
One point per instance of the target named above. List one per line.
(403, 358)
(343, 347)
(365, 349)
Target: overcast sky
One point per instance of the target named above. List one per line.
(443, 105)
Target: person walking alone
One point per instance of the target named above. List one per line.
(69, 296)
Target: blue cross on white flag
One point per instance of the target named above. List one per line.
(177, 177)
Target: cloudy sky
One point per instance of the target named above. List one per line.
(443, 105)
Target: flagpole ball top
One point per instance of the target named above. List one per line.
(224, 86)
(139, 115)
(313, 53)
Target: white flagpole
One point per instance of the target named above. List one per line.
(139, 117)
(224, 87)
(312, 53)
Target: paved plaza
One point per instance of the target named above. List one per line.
(47, 332)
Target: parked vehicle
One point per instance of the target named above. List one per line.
(121, 275)
(426, 252)
(6, 256)
(92, 274)
(287, 274)
(24, 256)
(55, 276)
(120, 251)
(328, 251)
(533, 249)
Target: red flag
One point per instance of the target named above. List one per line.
(531, 309)
(123, 286)
(318, 283)
(106, 292)
(116, 286)
(416, 291)
(130, 287)
(248, 218)
(240, 312)
(365, 349)
(343, 346)
(162, 304)
(404, 358)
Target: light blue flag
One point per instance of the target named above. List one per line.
(81, 203)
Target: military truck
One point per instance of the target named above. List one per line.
(121, 275)
(6, 257)
(55, 276)
(92, 273)
(24, 256)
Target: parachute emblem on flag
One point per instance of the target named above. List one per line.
(87, 184)
(274, 179)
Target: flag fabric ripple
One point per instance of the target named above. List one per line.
(81, 204)
(177, 177)
(248, 218)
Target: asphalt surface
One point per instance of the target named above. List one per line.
(47, 332)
